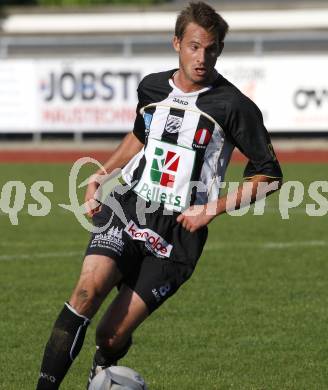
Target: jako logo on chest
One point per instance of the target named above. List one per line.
(180, 101)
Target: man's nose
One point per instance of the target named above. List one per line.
(201, 56)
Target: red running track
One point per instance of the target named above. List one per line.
(70, 156)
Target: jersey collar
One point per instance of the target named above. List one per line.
(193, 93)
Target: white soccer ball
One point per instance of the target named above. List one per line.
(118, 378)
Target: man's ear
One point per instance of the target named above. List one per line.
(221, 46)
(176, 43)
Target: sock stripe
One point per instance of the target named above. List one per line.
(76, 339)
(69, 307)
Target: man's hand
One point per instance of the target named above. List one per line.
(128, 148)
(247, 193)
(195, 217)
(91, 203)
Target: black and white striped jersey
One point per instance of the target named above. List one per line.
(188, 140)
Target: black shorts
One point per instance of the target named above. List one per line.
(155, 255)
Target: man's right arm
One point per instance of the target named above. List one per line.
(127, 149)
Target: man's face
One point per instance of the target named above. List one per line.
(198, 51)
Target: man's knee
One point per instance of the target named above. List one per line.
(86, 298)
(82, 300)
(98, 276)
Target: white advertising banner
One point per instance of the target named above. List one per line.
(91, 95)
(18, 98)
(99, 94)
(292, 92)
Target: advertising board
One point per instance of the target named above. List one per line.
(99, 94)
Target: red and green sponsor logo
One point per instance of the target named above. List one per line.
(164, 167)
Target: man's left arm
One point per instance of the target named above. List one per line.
(262, 173)
(253, 189)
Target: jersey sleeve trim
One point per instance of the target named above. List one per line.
(262, 174)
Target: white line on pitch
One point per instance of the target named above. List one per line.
(265, 245)
(291, 244)
(56, 212)
(43, 243)
(39, 255)
(268, 245)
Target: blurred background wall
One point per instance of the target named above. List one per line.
(72, 67)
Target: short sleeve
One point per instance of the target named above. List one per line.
(248, 133)
(139, 124)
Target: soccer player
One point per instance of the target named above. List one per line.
(188, 122)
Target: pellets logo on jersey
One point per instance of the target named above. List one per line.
(173, 123)
(163, 168)
(202, 138)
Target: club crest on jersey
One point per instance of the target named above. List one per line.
(164, 167)
(202, 138)
(173, 124)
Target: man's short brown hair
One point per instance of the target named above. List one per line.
(203, 15)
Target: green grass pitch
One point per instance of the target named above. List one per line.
(253, 316)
